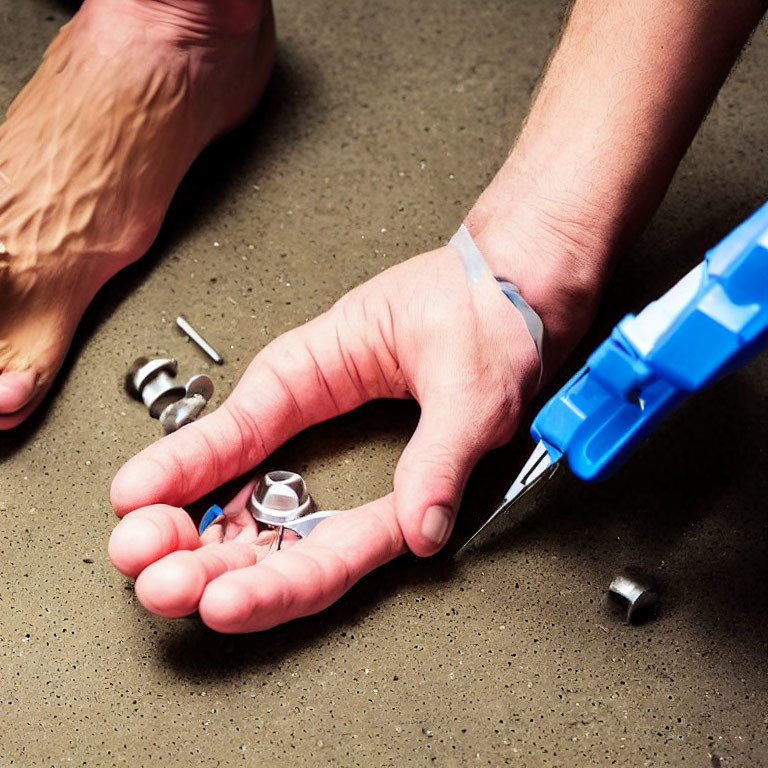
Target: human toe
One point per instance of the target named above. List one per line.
(16, 389)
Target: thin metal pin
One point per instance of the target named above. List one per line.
(277, 542)
(185, 326)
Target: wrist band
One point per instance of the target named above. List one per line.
(476, 266)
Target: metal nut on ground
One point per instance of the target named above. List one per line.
(182, 412)
(637, 592)
(153, 382)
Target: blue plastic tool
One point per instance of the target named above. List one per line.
(710, 323)
(210, 515)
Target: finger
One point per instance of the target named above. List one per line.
(174, 469)
(160, 547)
(431, 475)
(173, 586)
(301, 378)
(148, 534)
(307, 577)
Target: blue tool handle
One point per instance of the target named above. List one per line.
(710, 323)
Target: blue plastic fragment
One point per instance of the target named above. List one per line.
(712, 322)
(211, 514)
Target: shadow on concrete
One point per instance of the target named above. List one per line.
(194, 651)
(691, 501)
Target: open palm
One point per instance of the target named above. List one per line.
(417, 330)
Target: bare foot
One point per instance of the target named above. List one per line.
(92, 151)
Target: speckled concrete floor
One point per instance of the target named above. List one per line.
(381, 125)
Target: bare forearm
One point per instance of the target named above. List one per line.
(623, 95)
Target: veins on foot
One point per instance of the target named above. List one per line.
(91, 153)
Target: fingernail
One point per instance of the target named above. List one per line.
(212, 513)
(436, 524)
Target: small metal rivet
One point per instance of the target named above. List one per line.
(637, 592)
(153, 382)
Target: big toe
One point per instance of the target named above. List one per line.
(16, 390)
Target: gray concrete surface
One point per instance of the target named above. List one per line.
(383, 122)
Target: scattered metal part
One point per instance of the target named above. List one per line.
(182, 412)
(185, 326)
(281, 500)
(153, 382)
(636, 591)
(200, 384)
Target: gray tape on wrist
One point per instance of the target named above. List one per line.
(476, 266)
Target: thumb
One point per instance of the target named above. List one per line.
(431, 475)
